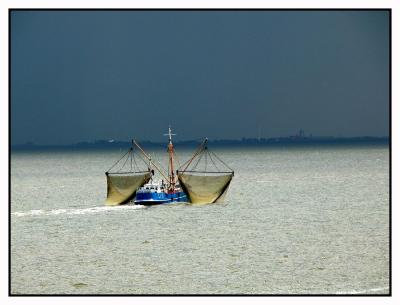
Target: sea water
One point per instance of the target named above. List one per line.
(296, 220)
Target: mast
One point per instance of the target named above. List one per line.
(171, 176)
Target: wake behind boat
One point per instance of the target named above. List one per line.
(190, 184)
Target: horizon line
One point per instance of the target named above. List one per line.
(253, 140)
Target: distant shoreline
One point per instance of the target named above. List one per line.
(244, 142)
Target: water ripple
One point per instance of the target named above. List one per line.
(366, 291)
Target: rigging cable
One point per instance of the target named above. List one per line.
(118, 160)
(156, 159)
(212, 160)
(177, 159)
(131, 158)
(134, 160)
(199, 158)
(199, 150)
(221, 161)
(205, 166)
(126, 160)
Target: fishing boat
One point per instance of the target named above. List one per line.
(192, 182)
(159, 193)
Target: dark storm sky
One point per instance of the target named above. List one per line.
(79, 75)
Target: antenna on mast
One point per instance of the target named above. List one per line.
(169, 134)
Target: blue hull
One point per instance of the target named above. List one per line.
(159, 198)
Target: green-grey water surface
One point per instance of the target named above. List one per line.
(295, 221)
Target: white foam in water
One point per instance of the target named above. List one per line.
(91, 210)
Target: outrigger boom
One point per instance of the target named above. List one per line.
(149, 158)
